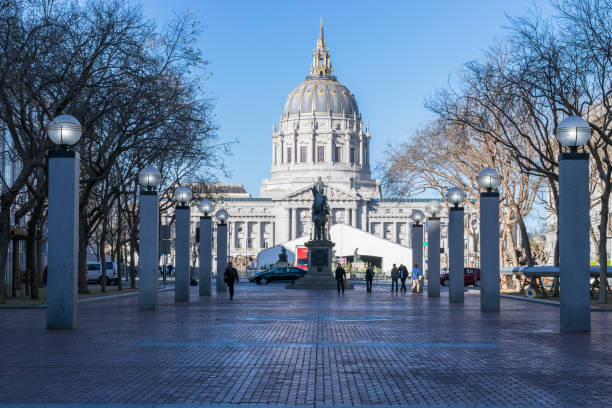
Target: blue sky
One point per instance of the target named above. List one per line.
(389, 54)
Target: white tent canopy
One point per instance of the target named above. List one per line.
(347, 239)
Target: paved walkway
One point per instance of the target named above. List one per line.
(271, 346)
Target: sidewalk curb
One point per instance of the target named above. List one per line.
(550, 302)
(87, 300)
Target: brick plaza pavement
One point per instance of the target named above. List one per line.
(277, 347)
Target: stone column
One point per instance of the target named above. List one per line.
(287, 224)
(221, 256)
(181, 248)
(63, 229)
(574, 270)
(364, 217)
(296, 229)
(433, 256)
(354, 217)
(417, 246)
(246, 235)
(489, 252)
(455, 248)
(148, 259)
(205, 256)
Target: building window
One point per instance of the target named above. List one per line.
(288, 155)
(275, 154)
(352, 158)
(303, 154)
(338, 154)
(320, 154)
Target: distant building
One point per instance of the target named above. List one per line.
(321, 134)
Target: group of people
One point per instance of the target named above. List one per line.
(400, 274)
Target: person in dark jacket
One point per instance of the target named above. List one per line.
(340, 277)
(403, 274)
(230, 276)
(369, 276)
(394, 278)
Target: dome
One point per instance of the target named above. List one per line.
(321, 96)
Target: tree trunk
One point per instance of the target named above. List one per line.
(118, 247)
(82, 275)
(39, 260)
(524, 238)
(102, 256)
(132, 263)
(5, 222)
(512, 246)
(594, 240)
(603, 243)
(15, 267)
(31, 252)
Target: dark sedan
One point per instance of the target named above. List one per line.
(279, 273)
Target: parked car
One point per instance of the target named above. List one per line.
(278, 273)
(94, 272)
(471, 276)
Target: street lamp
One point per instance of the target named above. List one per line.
(221, 216)
(182, 244)
(489, 180)
(574, 255)
(455, 196)
(149, 177)
(205, 283)
(206, 206)
(64, 130)
(433, 208)
(418, 216)
(63, 224)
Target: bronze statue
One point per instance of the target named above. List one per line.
(320, 211)
(282, 257)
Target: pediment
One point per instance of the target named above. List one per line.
(332, 193)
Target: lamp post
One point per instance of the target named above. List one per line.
(148, 254)
(221, 216)
(455, 196)
(433, 248)
(206, 208)
(182, 243)
(417, 239)
(489, 180)
(63, 227)
(574, 255)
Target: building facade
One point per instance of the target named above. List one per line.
(321, 133)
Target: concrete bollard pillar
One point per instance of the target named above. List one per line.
(63, 227)
(489, 252)
(574, 242)
(433, 257)
(455, 247)
(205, 256)
(181, 246)
(221, 256)
(148, 255)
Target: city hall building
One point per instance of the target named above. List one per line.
(321, 133)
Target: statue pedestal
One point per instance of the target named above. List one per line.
(320, 274)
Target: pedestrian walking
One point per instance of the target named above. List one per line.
(340, 277)
(394, 278)
(230, 276)
(403, 272)
(369, 275)
(417, 280)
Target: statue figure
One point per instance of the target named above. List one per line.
(320, 211)
(282, 257)
(356, 257)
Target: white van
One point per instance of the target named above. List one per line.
(94, 272)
